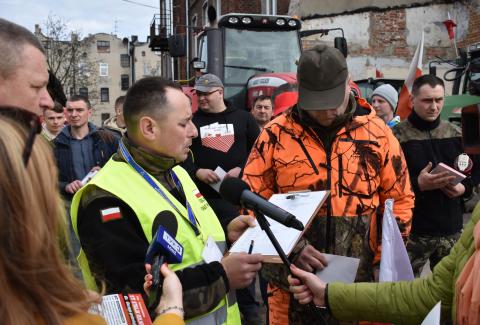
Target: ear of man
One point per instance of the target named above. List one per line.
(148, 128)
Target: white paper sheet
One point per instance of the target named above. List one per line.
(433, 317)
(221, 173)
(339, 269)
(302, 205)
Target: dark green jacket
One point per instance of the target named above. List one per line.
(406, 302)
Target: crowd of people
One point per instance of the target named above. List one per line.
(70, 187)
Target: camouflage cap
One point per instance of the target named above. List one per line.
(322, 77)
(207, 82)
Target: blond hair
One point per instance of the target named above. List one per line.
(37, 284)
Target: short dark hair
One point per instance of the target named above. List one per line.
(13, 39)
(262, 97)
(57, 108)
(426, 79)
(76, 98)
(119, 101)
(148, 97)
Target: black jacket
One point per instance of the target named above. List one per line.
(435, 213)
(246, 132)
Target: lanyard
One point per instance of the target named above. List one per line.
(129, 159)
(191, 215)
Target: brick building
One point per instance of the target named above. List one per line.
(383, 35)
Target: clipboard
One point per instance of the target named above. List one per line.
(303, 205)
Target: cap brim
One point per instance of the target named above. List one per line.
(311, 100)
(204, 89)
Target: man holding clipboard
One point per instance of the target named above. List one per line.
(434, 153)
(329, 141)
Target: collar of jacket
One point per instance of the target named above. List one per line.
(155, 165)
(358, 113)
(421, 124)
(65, 136)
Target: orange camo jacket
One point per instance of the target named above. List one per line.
(365, 167)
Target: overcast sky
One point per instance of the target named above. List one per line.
(85, 16)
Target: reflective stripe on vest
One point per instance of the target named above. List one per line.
(122, 181)
(218, 317)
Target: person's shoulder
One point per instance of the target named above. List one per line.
(96, 194)
(448, 129)
(404, 131)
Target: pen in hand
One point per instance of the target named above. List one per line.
(250, 249)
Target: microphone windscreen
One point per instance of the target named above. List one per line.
(167, 220)
(232, 188)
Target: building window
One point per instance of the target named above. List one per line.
(143, 53)
(104, 95)
(103, 46)
(194, 20)
(103, 69)
(105, 116)
(125, 60)
(125, 81)
(205, 14)
(83, 91)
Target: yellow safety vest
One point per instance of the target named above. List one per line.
(124, 182)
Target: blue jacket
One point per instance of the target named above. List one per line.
(103, 148)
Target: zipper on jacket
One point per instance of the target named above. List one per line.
(340, 175)
(329, 201)
(310, 160)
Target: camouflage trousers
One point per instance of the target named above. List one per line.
(423, 248)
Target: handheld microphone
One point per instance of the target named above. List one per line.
(237, 192)
(163, 248)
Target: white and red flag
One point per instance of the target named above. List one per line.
(405, 107)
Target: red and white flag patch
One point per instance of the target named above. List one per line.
(111, 214)
(197, 193)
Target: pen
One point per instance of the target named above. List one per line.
(250, 249)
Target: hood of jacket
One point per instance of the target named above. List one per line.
(111, 123)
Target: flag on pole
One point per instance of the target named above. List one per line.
(404, 104)
(394, 263)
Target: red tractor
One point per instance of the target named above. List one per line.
(252, 54)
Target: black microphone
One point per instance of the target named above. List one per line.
(237, 192)
(163, 248)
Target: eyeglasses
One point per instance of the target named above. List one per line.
(201, 93)
(30, 121)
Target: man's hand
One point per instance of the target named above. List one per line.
(73, 187)
(207, 176)
(428, 182)
(234, 172)
(241, 268)
(308, 288)
(237, 226)
(309, 259)
(453, 191)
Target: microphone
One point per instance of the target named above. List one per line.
(163, 248)
(237, 192)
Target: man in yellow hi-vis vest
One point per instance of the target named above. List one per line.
(114, 213)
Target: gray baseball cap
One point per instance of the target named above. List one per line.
(322, 77)
(207, 82)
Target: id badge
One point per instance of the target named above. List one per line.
(211, 252)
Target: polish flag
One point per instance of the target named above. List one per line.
(111, 214)
(197, 193)
(404, 104)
